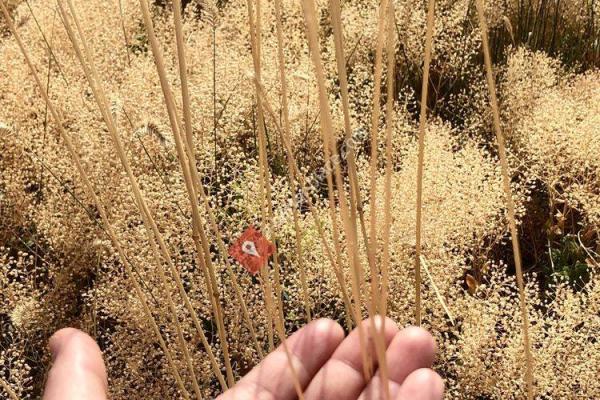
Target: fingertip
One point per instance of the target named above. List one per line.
(59, 339)
(71, 338)
(326, 329)
(78, 347)
(419, 341)
(78, 369)
(423, 383)
(412, 348)
(426, 377)
(389, 325)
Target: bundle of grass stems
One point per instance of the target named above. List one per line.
(366, 293)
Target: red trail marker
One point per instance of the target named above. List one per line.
(252, 250)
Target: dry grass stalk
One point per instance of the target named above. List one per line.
(389, 162)
(333, 214)
(370, 240)
(289, 151)
(279, 318)
(510, 206)
(196, 222)
(329, 146)
(375, 113)
(197, 181)
(381, 305)
(274, 315)
(312, 209)
(101, 209)
(182, 63)
(199, 188)
(264, 176)
(420, 162)
(356, 204)
(436, 290)
(88, 64)
(224, 256)
(47, 43)
(291, 174)
(125, 38)
(202, 247)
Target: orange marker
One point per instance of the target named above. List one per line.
(252, 250)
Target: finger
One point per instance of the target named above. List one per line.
(342, 377)
(422, 384)
(272, 379)
(411, 349)
(78, 370)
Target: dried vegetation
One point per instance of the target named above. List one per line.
(60, 266)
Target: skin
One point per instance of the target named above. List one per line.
(328, 365)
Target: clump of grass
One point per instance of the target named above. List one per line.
(127, 236)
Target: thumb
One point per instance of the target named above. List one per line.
(78, 370)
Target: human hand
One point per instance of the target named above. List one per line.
(329, 366)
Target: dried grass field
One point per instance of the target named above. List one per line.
(436, 161)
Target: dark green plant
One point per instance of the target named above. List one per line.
(568, 262)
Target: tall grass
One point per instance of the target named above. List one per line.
(69, 144)
(359, 227)
(508, 196)
(421, 160)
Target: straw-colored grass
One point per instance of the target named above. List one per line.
(368, 140)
